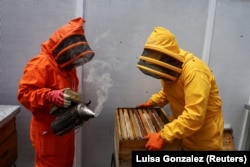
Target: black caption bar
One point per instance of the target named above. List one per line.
(190, 158)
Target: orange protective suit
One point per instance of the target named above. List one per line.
(196, 106)
(42, 74)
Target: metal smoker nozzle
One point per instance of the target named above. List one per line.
(85, 112)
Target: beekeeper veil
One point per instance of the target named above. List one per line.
(161, 57)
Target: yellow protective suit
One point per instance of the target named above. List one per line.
(42, 74)
(197, 117)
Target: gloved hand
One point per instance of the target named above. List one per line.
(146, 104)
(155, 142)
(59, 98)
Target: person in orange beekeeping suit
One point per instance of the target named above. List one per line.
(42, 86)
(189, 87)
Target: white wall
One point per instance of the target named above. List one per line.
(230, 60)
(216, 30)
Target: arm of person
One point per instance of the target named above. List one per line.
(196, 91)
(32, 89)
(159, 99)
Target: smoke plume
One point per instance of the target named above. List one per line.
(101, 81)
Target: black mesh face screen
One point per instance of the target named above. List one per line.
(71, 53)
(163, 58)
(68, 41)
(170, 60)
(72, 48)
(143, 63)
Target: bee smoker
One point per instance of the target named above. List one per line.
(70, 118)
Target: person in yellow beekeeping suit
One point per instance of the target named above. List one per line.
(189, 87)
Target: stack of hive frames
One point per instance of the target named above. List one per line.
(131, 125)
(136, 123)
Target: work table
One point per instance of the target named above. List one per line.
(8, 138)
(7, 112)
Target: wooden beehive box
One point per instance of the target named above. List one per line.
(228, 140)
(8, 144)
(131, 125)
